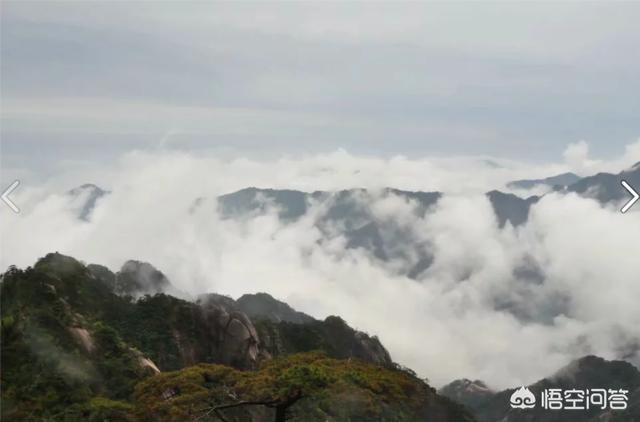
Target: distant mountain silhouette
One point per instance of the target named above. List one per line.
(349, 213)
(561, 180)
(606, 187)
(89, 194)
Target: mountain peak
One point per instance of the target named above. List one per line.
(59, 264)
(87, 195)
(86, 187)
(137, 278)
(468, 392)
(264, 306)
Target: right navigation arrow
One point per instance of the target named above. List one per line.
(633, 200)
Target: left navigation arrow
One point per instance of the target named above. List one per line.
(5, 196)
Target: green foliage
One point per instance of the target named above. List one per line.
(46, 371)
(71, 350)
(104, 409)
(332, 389)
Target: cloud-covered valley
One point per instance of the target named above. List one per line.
(507, 304)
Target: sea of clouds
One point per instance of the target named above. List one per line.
(468, 315)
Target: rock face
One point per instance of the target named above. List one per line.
(274, 328)
(83, 337)
(234, 333)
(332, 335)
(134, 279)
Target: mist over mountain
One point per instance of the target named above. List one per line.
(433, 267)
(349, 207)
(561, 180)
(605, 187)
(317, 211)
(86, 196)
(75, 343)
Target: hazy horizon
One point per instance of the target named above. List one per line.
(83, 84)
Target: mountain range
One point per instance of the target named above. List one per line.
(80, 342)
(350, 214)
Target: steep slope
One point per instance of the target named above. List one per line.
(72, 348)
(332, 335)
(287, 331)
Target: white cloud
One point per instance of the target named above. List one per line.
(466, 316)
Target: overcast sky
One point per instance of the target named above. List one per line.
(85, 82)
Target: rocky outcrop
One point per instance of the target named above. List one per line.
(174, 333)
(275, 328)
(235, 336)
(134, 279)
(371, 349)
(332, 335)
(83, 337)
(139, 278)
(352, 343)
(147, 363)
